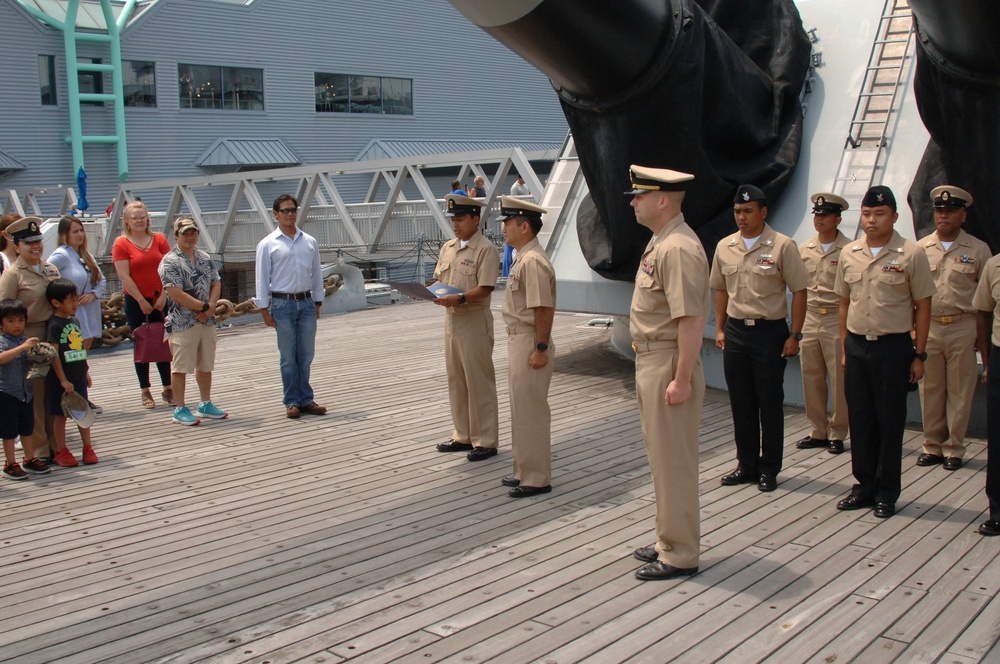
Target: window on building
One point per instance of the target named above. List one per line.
(91, 82)
(221, 88)
(139, 83)
(347, 93)
(47, 79)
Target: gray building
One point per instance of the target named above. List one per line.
(211, 86)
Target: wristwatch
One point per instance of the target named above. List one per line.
(541, 346)
(461, 298)
(204, 307)
(920, 356)
(796, 335)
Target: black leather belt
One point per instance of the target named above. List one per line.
(304, 295)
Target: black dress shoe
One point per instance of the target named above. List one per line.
(884, 510)
(525, 491)
(454, 446)
(510, 480)
(659, 571)
(836, 447)
(739, 476)
(480, 453)
(809, 443)
(767, 483)
(929, 459)
(646, 554)
(990, 528)
(855, 503)
(952, 463)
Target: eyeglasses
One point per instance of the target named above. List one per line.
(288, 210)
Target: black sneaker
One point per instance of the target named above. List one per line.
(13, 471)
(36, 466)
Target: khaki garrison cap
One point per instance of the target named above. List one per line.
(827, 203)
(646, 179)
(459, 205)
(950, 197)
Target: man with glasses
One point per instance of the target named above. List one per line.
(290, 295)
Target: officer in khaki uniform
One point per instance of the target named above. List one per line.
(751, 271)
(956, 259)
(528, 308)
(26, 282)
(821, 351)
(669, 306)
(885, 288)
(987, 301)
(471, 263)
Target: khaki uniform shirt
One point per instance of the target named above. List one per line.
(883, 289)
(987, 297)
(756, 279)
(530, 284)
(478, 264)
(956, 272)
(20, 281)
(672, 282)
(822, 268)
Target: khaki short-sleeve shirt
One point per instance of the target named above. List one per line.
(882, 289)
(822, 268)
(956, 272)
(756, 279)
(987, 296)
(530, 284)
(22, 282)
(672, 282)
(477, 264)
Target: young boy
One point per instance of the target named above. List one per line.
(17, 418)
(69, 372)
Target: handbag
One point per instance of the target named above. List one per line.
(150, 346)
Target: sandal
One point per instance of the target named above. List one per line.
(147, 399)
(168, 396)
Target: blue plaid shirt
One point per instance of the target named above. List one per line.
(13, 375)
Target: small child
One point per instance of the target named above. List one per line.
(69, 372)
(17, 418)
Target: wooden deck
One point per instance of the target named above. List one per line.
(349, 538)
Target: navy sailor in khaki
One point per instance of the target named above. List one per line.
(956, 332)
(751, 272)
(670, 304)
(528, 309)
(885, 288)
(987, 301)
(821, 356)
(470, 263)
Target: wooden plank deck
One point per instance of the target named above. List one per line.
(348, 538)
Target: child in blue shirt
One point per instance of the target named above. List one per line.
(17, 417)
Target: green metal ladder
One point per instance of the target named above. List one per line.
(71, 36)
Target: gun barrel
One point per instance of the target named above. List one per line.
(590, 50)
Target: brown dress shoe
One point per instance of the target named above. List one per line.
(292, 412)
(313, 409)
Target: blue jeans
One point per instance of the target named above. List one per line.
(295, 321)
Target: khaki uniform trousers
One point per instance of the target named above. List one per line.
(42, 438)
(820, 357)
(472, 381)
(948, 384)
(671, 437)
(530, 417)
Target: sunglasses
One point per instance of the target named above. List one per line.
(288, 210)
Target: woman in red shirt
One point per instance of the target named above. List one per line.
(137, 254)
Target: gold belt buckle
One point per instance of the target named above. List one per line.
(749, 322)
(823, 311)
(635, 347)
(947, 319)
